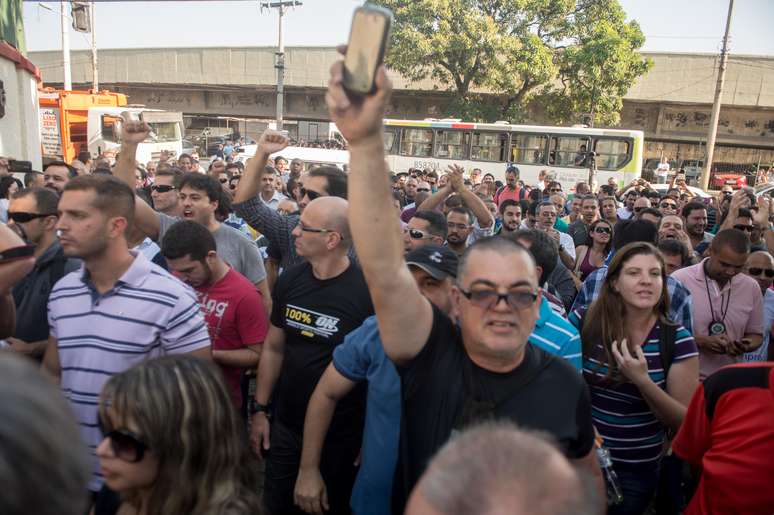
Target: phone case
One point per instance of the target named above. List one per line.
(387, 14)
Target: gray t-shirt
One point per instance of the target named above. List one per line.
(234, 247)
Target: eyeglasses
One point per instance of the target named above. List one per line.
(426, 190)
(223, 181)
(746, 228)
(309, 193)
(313, 230)
(602, 230)
(667, 205)
(125, 445)
(758, 271)
(20, 217)
(416, 234)
(488, 299)
(162, 188)
(555, 190)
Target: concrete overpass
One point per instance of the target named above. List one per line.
(671, 103)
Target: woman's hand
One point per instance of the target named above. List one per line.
(633, 366)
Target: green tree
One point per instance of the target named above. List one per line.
(497, 56)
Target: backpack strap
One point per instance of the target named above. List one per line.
(666, 346)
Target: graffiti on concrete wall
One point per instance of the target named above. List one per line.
(758, 124)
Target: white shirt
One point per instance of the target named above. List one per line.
(624, 214)
(274, 201)
(761, 353)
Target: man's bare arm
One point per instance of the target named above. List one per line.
(250, 183)
(132, 134)
(244, 358)
(270, 363)
(263, 288)
(436, 199)
(51, 360)
(394, 292)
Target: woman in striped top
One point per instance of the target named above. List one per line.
(633, 400)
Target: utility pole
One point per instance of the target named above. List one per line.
(94, 71)
(68, 80)
(713, 129)
(281, 6)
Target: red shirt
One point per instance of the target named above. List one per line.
(729, 432)
(506, 194)
(235, 316)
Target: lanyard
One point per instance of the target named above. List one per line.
(723, 310)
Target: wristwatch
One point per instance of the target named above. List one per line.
(256, 407)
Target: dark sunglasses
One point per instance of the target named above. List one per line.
(426, 190)
(758, 271)
(488, 299)
(20, 217)
(667, 205)
(416, 234)
(313, 230)
(602, 230)
(12, 253)
(309, 193)
(746, 228)
(125, 445)
(223, 181)
(555, 190)
(162, 188)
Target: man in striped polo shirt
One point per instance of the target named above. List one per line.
(118, 309)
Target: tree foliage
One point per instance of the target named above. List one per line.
(569, 56)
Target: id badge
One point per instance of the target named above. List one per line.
(717, 328)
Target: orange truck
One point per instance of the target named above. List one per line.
(76, 121)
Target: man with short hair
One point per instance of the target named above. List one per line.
(33, 214)
(671, 227)
(361, 358)
(546, 218)
(608, 210)
(424, 190)
(118, 310)
(186, 163)
(579, 229)
(56, 174)
(200, 197)
(668, 206)
(232, 307)
(316, 304)
(627, 211)
(34, 179)
(165, 191)
(510, 214)
(676, 255)
(424, 228)
(481, 363)
(460, 226)
(640, 205)
(760, 266)
(557, 200)
(269, 194)
(650, 214)
(511, 189)
(476, 176)
(410, 189)
(278, 229)
(496, 468)
(727, 305)
(695, 216)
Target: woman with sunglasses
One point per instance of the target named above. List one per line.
(636, 396)
(592, 255)
(173, 442)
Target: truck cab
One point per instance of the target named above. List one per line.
(104, 130)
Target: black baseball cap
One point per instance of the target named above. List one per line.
(440, 262)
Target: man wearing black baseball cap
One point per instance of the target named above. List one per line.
(361, 358)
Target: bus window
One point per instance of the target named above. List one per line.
(389, 140)
(416, 142)
(569, 151)
(612, 154)
(489, 146)
(451, 144)
(528, 149)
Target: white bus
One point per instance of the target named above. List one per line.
(492, 147)
(311, 156)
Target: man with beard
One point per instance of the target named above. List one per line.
(511, 190)
(56, 175)
(608, 210)
(510, 214)
(695, 216)
(117, 310)
(579, 229)
(230, 303)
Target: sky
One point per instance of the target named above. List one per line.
(694, 26)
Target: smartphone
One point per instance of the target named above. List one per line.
(365, 51)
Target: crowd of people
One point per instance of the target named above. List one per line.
(426, 342)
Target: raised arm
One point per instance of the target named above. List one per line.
(248, 205)
(132, 134)
(375, 229)
(437, 198)
(475, 204)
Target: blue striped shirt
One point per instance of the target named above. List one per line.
(554, 334)
(147, 313)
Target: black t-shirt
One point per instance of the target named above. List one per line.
(543, 393)
(316, 315)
